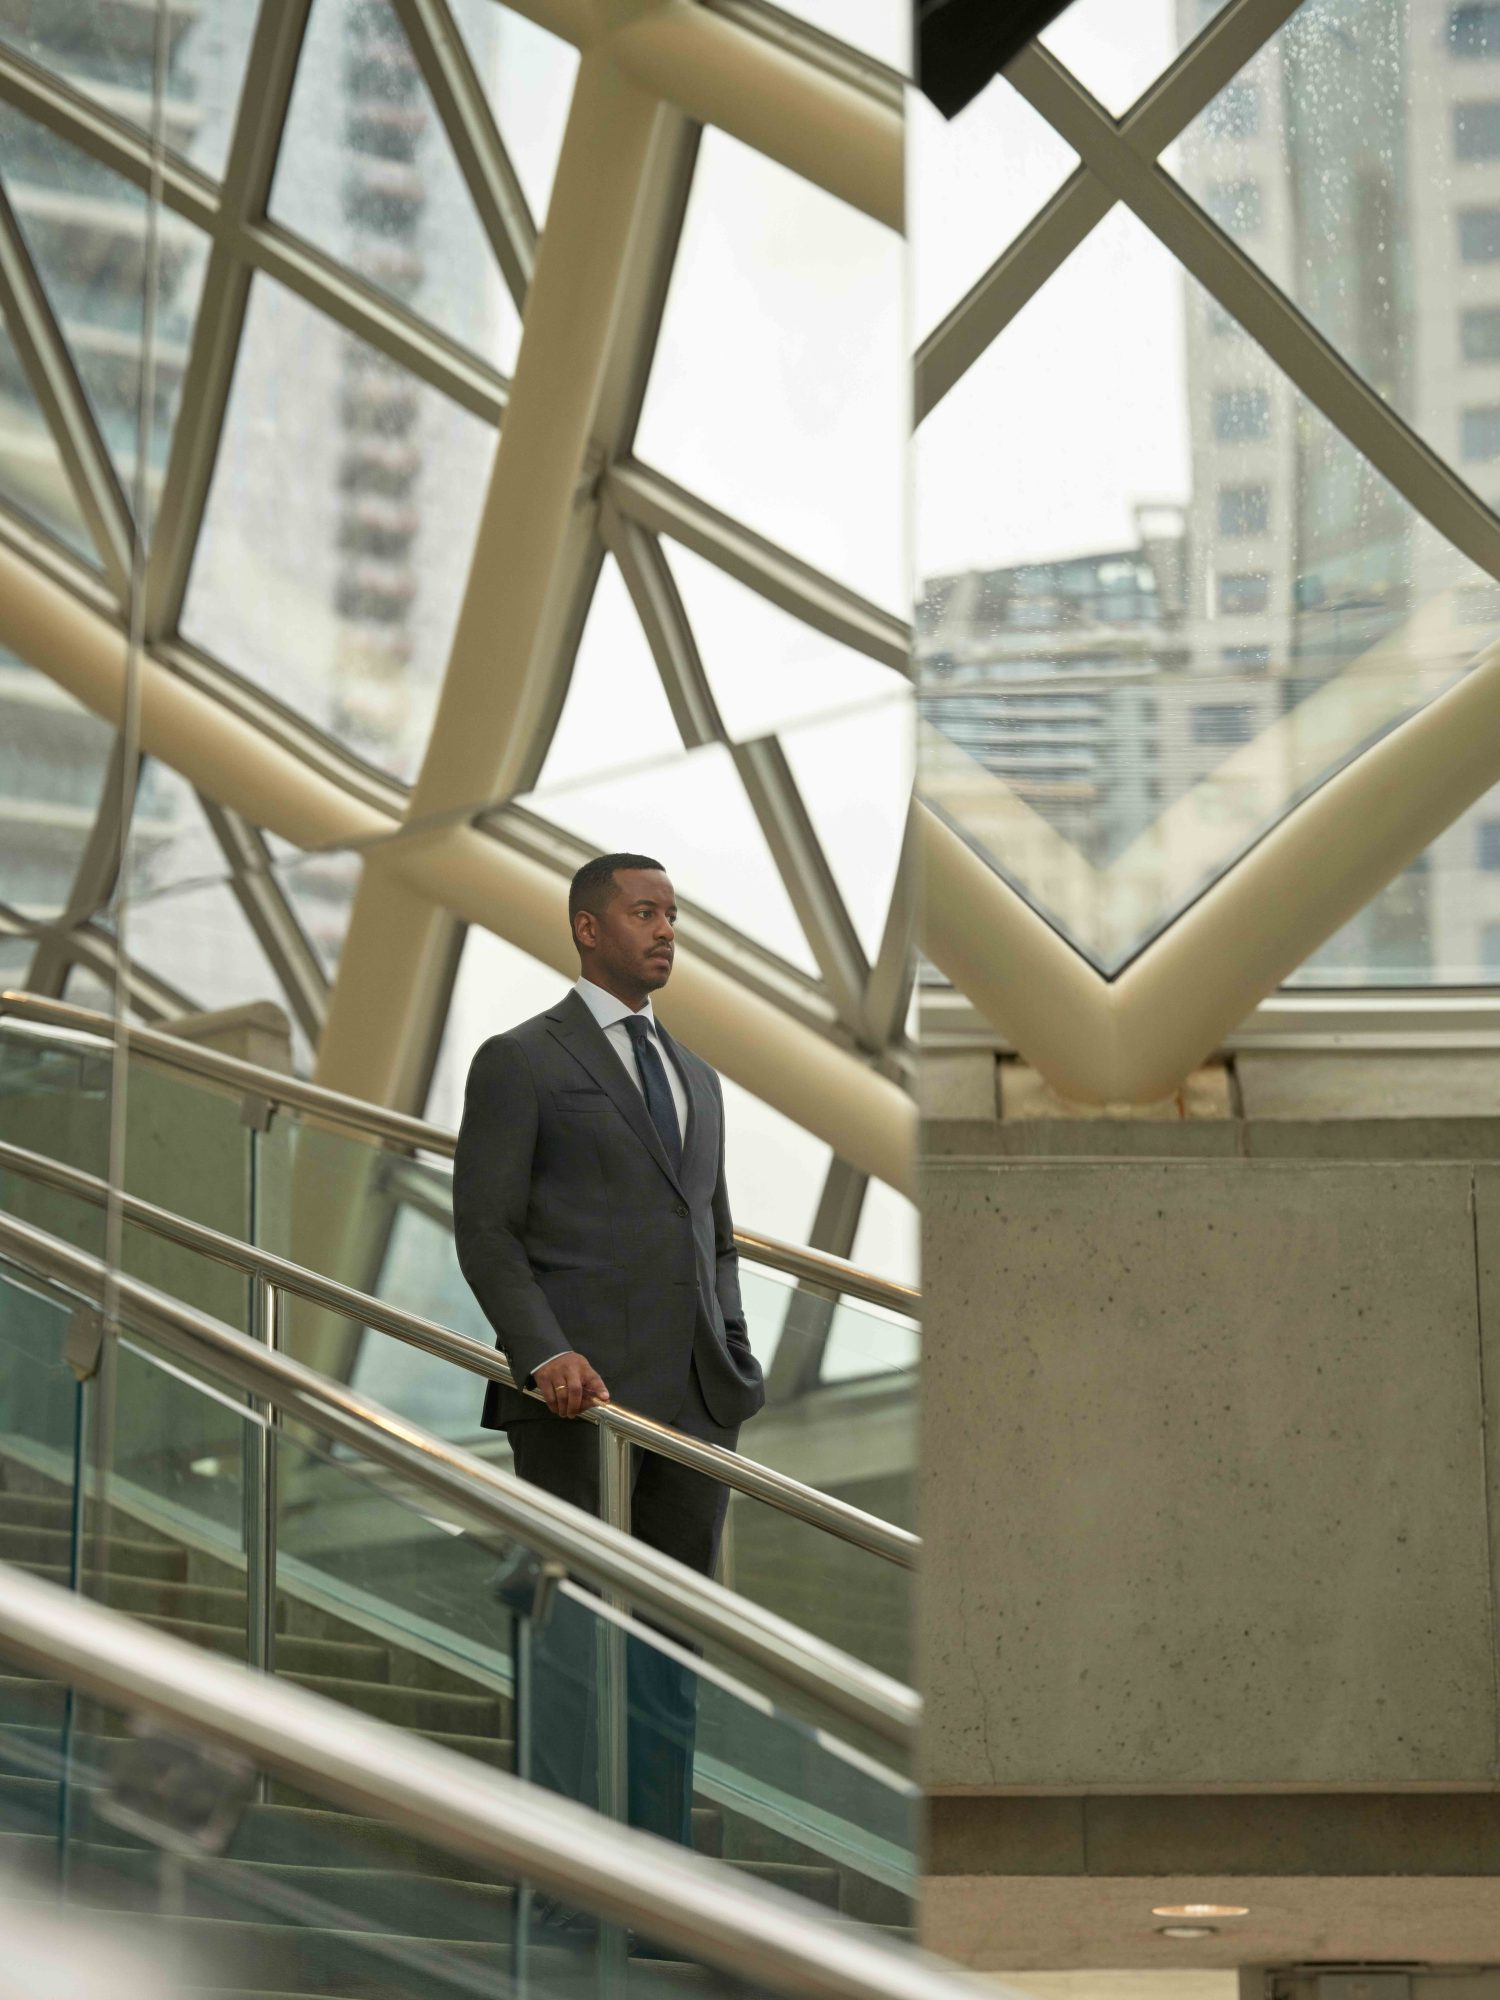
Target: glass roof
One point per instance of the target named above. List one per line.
(1210, 574)
(320, 320)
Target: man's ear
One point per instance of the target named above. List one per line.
(585, 930)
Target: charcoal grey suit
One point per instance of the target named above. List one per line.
(576, 1231)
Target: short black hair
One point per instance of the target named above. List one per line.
(594, 886)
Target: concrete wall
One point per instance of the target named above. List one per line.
(1207, 1443)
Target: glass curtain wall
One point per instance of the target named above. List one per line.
(1206, 455)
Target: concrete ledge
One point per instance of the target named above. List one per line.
(1283, 1833)
(258, 1032)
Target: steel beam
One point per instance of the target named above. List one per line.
(269, 912)
(639, 494)
(1234, 36)
(1349, 403)
(43, 350)
(98, 868)
(458, 96)
(265, 96)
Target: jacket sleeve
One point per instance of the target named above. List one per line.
(727, 1257)
(491, 1194)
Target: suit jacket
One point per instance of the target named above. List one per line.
(574, 1231)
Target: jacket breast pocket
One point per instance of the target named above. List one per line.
(569, 1102)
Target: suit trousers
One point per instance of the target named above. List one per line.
(672, 1509)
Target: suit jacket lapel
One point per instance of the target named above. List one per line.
(580, 1034)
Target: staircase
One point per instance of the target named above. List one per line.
(314, 1901)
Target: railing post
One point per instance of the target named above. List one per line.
(260, 1491)
(613, 1691)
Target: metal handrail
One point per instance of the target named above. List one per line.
(760, 1482)
(601, 1554)
(516, 1830)
(816, 1267)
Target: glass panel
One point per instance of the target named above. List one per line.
(31, 471)
(498, 986)
(181, 917)
(726, 868)
(1364, 136)
(1129, 676)
(320, 887)
(96, 248)
(110, 54)
(337, 592)
(998, 143)
(616, 715)
(55, 1101)
(53, 759)
(1437, 924)
(766, 668)
(779, 388)
(528, 76)
(1117, 51)
(854, 773)
(367, 173)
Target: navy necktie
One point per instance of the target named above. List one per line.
(653, 1074)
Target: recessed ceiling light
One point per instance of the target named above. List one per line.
(1200, 1910)
(1187, 1931)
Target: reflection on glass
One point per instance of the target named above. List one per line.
(779, 382)
(320, 888)
(337, 591)
(97, 250)
(111, 55)
(53, 759)
(528, 77)
(367, 173)
(1198, 602)
(31, 471)
(998, 143)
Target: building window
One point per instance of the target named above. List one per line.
(1235, 206)
(1489, 950)
(1474, 31)
(1221, 322)
(1244, 510)
(1221, 722)
(1479, 330)
(1234, 113)
(1481, 433)
(1489, 846)
(1479, 235)
(1242, 415)
(1476, 131)
(1244, 592)
(1245, 659)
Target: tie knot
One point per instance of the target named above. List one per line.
(637, 1027)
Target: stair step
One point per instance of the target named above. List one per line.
(53, 1548)
(409, 1708)
(152, 1597)
(338, 1659)
(813, 1884)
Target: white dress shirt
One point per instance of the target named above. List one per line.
(612, 1014)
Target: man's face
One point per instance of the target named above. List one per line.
(635, 934)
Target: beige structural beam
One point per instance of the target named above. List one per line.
(834, 133)
(1134, 1039)
(857, 1112)
(505, 676)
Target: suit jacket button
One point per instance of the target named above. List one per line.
(681, 1208)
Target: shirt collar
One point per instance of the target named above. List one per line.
(607, 1010)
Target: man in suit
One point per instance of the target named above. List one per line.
(592, 1222)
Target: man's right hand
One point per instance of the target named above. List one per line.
(569, 1386)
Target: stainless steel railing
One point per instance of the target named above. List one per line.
(697, 1906)
(601, 1553)
(793, 1260)
(276, 1277)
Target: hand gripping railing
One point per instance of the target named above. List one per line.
(625, 1570)
(815, 1267)
(695, 1905)
(274, 1277)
